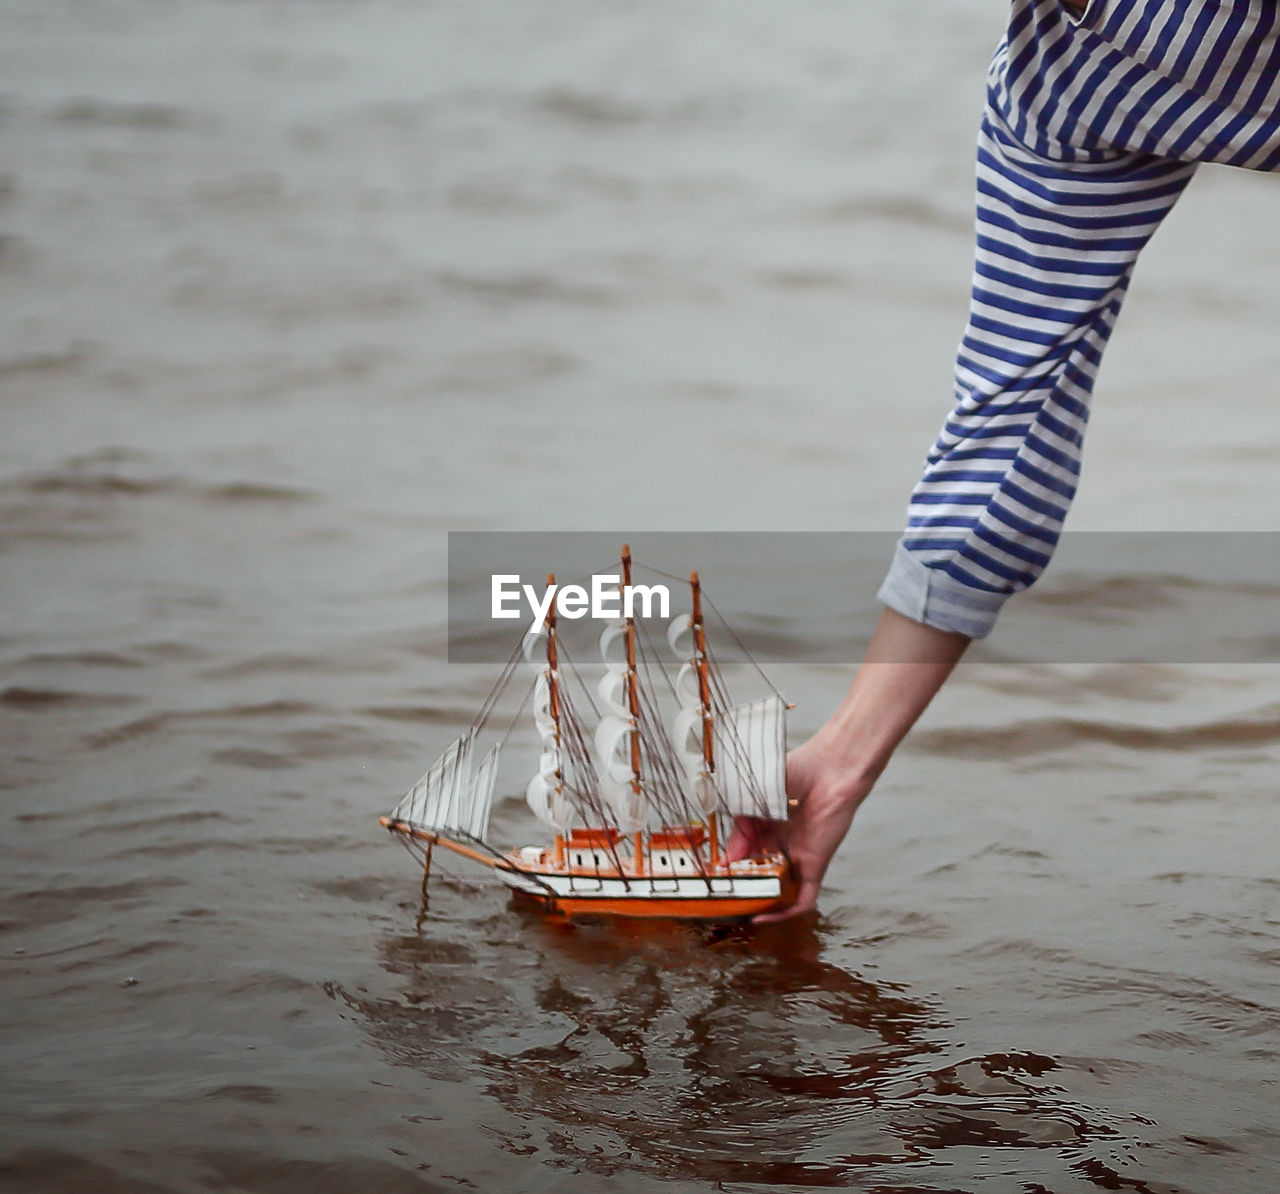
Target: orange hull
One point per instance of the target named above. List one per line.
(558, 889)
(703, 905)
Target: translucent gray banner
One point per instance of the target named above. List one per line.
(810, 597)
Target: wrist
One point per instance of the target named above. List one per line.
(848, 765)
(856, 770)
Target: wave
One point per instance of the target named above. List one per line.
(1043, 735)
(109, 114)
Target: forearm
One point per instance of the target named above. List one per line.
(905, 665)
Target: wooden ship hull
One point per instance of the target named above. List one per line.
(549, 880)
(738, 891)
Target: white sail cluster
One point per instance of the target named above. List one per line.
(749, 745)
(748, 776)
(545, 794)
(613, 737)
(686, 728)
(455, 795)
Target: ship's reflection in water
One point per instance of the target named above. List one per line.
(718, 1056)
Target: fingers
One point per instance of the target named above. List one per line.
(806, 901)
(788, 913)
(739, 844)
(757, 835)
(745, 840)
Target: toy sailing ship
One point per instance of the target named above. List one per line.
(638, 805)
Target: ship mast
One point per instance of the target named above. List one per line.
(704, 699)
(633, 698)
(553, 689)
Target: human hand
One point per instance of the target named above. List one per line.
(824, 794)
(833, 773)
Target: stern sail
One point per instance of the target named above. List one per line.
(751, 742)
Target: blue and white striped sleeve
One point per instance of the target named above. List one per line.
(1084, 147)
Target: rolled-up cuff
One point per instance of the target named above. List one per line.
(928, 595)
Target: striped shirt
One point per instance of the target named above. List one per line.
(1096, 119)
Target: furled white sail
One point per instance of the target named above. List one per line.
(750, 754)
(545, 793)
(612, 647)
(612, 689)
(686, 739)
(686, 728)
(613, 763)
(613, 747)
(680, 636)
(542, 719)
(749, 744)
(548, 801)
(686, 685)
(532, 638)
(612, 692)
(612, 738)
(629, 807)
(453, 796)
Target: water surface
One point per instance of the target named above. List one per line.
(293, 290)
